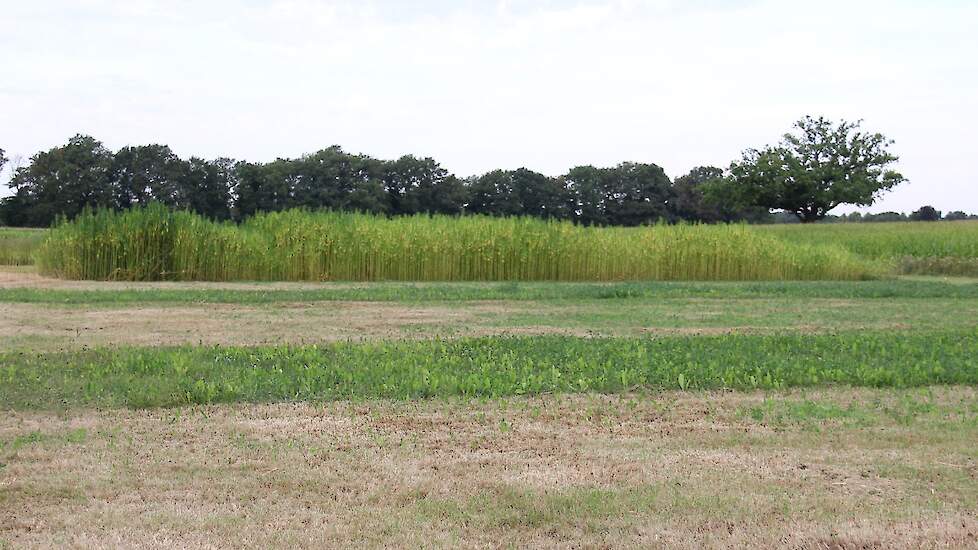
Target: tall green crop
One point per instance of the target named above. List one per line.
(156, 244)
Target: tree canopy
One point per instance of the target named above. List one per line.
(813, 170)
(926, 214)
(62, 181)
(84, 173)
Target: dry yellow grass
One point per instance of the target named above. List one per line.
(49, 327)
(823, 469)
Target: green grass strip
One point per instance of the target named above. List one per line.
(482, 367)
(408, 292)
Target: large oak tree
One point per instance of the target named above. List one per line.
(814, 169)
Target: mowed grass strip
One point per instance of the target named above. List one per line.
(114, 293)
(482, 367)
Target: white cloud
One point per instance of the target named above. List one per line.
(480, 85)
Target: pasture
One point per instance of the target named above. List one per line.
(238, 410)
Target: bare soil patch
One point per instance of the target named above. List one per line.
(674, 469)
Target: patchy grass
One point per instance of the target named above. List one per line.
(39, 314)
(36, 437)
(50, 327)
(893, 469)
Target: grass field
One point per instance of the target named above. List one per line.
(813, 414)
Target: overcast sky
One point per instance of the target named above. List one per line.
(498, 84)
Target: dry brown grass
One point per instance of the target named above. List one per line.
(27, 277)
(675, 469)
(44, 328)
(49, 327)
(53, 326)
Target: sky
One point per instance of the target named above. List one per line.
(480, 85)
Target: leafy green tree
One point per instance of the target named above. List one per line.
(366, 191)
(418, 185)
(818, 167)
(586, 186)
(13, 211)
(3, 159)
(331, 178)
(693, 202)
(146, 173)
(628, 194)
(493, 194)
(261, 187)
(323, 179)
(637, 194)
(520, 192)
(885, 217)
(959, 215)
(367, 195)
(204, 187)
(926, 214)
(63, 181)
(690, 203)
(539, 195)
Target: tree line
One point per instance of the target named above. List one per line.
(925, 213)
(814, 168)
(84, 173)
